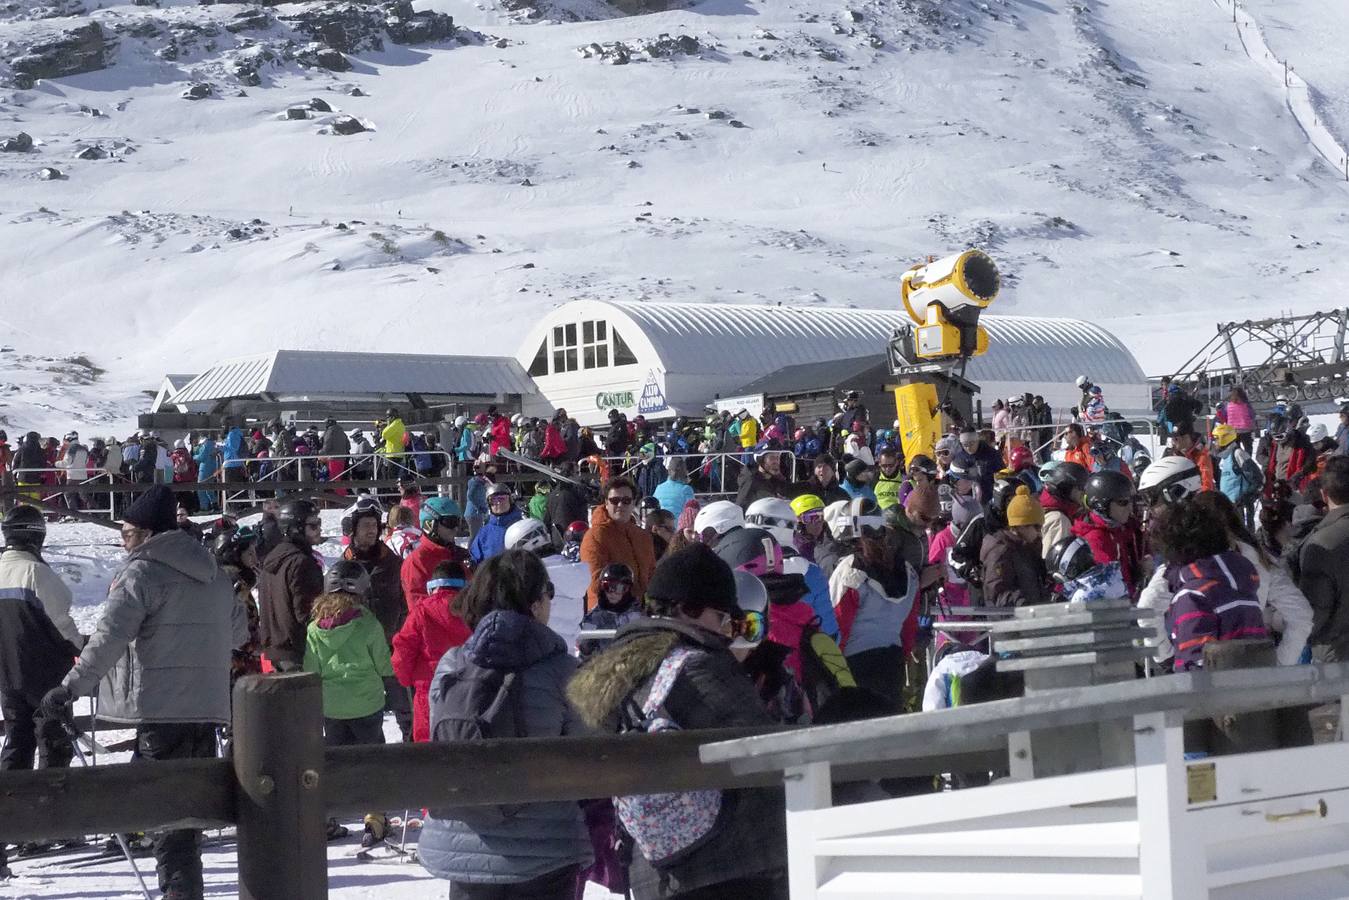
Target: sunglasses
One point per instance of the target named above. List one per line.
(447, 521)
(619, 501)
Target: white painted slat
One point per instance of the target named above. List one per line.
(1115, 839)
(992, 886)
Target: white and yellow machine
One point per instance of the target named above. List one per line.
(944, 297)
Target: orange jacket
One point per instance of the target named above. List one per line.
(1079, 455)
(609, 542)
(1199, 455)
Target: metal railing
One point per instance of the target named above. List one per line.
(707, 469)
(244, 494)
(58, 496)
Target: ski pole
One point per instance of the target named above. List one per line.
(121, 841)
(403, 841)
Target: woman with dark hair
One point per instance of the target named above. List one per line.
(508, 680)
(1286, 609)
(1213, 588)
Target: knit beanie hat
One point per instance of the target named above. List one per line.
(922, 502)
(1024, 509)
(697, 577)
(155, 510)
(687, 515)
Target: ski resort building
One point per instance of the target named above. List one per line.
(665, 359)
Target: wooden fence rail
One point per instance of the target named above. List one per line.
(281, 782)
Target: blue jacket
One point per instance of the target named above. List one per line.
(672, 495)
(205, 457)
(232, 448)
(538, 837)
(491, 538)
(818, 598)
(1230, 482)
(475, 497)
(985, 461)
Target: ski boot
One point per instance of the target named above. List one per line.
(376, 829)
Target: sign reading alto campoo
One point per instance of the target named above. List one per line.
(650, 399)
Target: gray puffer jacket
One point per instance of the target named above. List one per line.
(536, 838)
(165, 637)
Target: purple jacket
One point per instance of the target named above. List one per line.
(1213, 599)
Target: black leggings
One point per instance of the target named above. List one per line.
(559, 884)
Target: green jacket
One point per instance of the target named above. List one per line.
(353, 660)
(538, 504)
(887, 489)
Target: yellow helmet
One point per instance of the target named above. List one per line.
(805, 503)
(1224, 435)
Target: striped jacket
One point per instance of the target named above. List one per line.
(1212, 599)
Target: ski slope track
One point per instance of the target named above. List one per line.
(1123, 161)
(1300, 102)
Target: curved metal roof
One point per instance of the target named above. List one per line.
(755, 340)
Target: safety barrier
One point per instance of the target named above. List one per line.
(271, 470)
(719, 473)
(73, 496)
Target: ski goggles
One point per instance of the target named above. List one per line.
(450, 522)
(436, 584)
(811, 517)
(751, 629)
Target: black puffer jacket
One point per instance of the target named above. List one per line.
(712, 691)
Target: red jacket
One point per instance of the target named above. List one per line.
(501, 435)
(421, 562)
(554, 447)
(1049, 502)
(427, 634)
(1111, 543)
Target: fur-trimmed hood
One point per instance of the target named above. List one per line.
(603, 683)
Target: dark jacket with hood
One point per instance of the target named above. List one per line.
(165, 637)
(289, 581)
(566, 504)
(536, 838)
(335, 442)
(712, 691)
(1323, 575)
(1014, 572)
(29, 455)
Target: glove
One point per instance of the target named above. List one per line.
(56, 704)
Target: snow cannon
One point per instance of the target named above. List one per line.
(952, 292)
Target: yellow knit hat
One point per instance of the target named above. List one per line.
(1025, 509)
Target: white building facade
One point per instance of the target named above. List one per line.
(660, 360)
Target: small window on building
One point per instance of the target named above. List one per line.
(564, 349)
(622, 355)
(540, 364)
(595, 345)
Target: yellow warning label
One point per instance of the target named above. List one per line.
(1201, 783)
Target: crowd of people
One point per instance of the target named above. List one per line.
(830, 588)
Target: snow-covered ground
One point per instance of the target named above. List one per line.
(1124, 162)
(87, 557)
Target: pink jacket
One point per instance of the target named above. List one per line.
(1240, 416)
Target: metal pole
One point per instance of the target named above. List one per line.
(121, 841)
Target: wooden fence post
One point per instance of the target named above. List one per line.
(278, 762)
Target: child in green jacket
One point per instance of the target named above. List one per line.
(345, 645)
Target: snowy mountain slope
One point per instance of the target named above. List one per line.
(1124, 162)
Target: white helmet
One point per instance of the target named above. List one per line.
(517, 419)
(721, 517)
(774, 516)
(460, 421)
(1317, 433)
(1170, 479)
(1082, 381)
(528, 534)
(838, 518)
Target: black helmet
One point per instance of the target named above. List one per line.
(347, 577)
(1063, 478)
(649, 504)
(1069, 558)
(391, 413)
(293, 515)
(615, 573)
(1140, 462)
(229, 545)
(1105, 487)
(24, 527)
(362, 511)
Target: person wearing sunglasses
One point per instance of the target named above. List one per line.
(615, 537)
(1109, 526)
(502, 514)
(692, 606)
(441, 523)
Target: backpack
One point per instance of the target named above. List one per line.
(666, 827)
(1249, 474)
(824, 669)
(421, 455)
(479, 705)
(965, 552)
